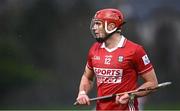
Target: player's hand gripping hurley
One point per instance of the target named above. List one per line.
(128, 92)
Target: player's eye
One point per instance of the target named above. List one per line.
(97, 23)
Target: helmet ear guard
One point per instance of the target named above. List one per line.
(106, 28)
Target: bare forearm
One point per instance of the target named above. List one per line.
(86, 84)
(150, 81)
(146, 85)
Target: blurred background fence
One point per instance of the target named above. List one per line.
(44, 44)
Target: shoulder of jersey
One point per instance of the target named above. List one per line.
(132, 44)
(96, 45)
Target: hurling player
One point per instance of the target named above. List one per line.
(116, 63)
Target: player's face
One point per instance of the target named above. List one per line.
(98, 29)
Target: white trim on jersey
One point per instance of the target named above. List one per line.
(121, 41)
(120, 45)
(145, 70)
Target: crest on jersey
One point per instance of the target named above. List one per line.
(120, 58)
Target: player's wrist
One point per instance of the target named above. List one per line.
(82, 92)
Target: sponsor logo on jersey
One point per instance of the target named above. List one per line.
(104, 75)
(145, 59)
(120, 58)
(96, 57)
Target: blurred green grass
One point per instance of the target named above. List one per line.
(175, 106)
(151, 107)
(158, 107)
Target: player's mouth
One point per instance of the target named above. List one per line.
(97, 34)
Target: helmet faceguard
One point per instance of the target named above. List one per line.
(108, 16)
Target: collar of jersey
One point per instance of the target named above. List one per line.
(120, 45)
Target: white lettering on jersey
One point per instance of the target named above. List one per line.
(104, 75)
(96, 57)
(108, 59)
(145, 59)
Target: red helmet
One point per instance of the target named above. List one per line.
(107, 16)
(110, 16)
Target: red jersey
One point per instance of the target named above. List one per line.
(117, 71)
